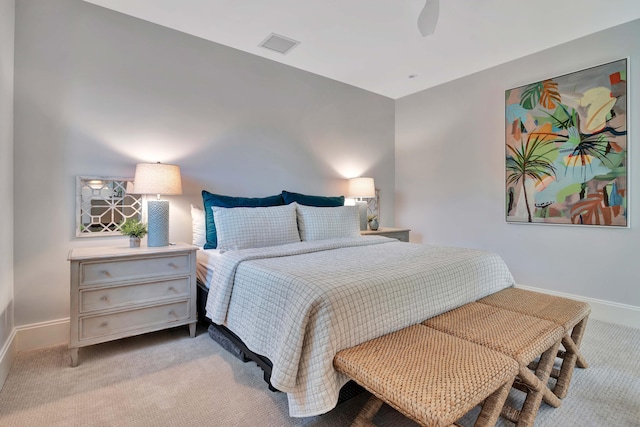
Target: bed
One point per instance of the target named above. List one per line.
(297, 303)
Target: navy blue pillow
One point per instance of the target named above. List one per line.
(319, 201)
(209, 200)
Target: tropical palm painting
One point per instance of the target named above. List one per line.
(566, 149)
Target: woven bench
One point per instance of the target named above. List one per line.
(429, 376)
(570, 314)
(516, 335)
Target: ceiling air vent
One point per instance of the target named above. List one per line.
(279, 43)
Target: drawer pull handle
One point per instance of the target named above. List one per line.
(172, 289)
(103, 324)
(106, 273)
(172, 313)
(172, 265)
(104, 298)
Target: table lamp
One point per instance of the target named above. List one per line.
(361, 188)
(158, 179)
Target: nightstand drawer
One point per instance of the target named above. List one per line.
(94, 273)
(140, 319)
(121, 296)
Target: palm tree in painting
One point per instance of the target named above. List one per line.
(531, 160)
(588, 146)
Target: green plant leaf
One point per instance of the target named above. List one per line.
(133, 228)
(531, 96)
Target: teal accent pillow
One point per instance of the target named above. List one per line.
(318, 201)
(210, 200)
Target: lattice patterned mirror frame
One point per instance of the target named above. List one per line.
(373, 205)
(102, 204)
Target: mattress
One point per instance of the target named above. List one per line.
(206, 261)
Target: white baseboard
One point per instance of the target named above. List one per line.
(7, 356)
(43, 334)
(31, 337)
(607, 311)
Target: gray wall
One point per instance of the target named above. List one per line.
(450, 175)
(97, 92)
(7, 9)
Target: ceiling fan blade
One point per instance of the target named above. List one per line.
(428, 18)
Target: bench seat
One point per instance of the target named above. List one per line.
(431, 377)
(521, 337)
(570, 314)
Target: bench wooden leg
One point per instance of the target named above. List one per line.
(492, 406)
(576, 336)
(536, 389)
(534, 399)
(571, 358)
(563, 376)
(368, 411)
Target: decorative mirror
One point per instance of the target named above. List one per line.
(373, 205)
(102, 204)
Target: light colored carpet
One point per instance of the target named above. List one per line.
(169, 379)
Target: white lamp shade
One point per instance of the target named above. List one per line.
(157, 178)
(360, 187)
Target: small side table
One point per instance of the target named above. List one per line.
(401, 234)
(119, 292)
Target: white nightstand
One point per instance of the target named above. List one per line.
(401, 234)
(118, 292)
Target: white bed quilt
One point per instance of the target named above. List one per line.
(299, 304)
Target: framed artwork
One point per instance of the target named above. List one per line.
(567, 149)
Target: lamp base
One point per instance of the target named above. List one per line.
(158, 223)
(362, 210)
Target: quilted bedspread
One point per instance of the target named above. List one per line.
(301, 303)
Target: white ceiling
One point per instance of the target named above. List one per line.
(375, 44)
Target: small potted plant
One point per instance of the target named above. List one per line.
(373, 222)
(135, 230)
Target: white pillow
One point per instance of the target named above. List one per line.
(316, 223)
(243, 228)
(198, 226)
